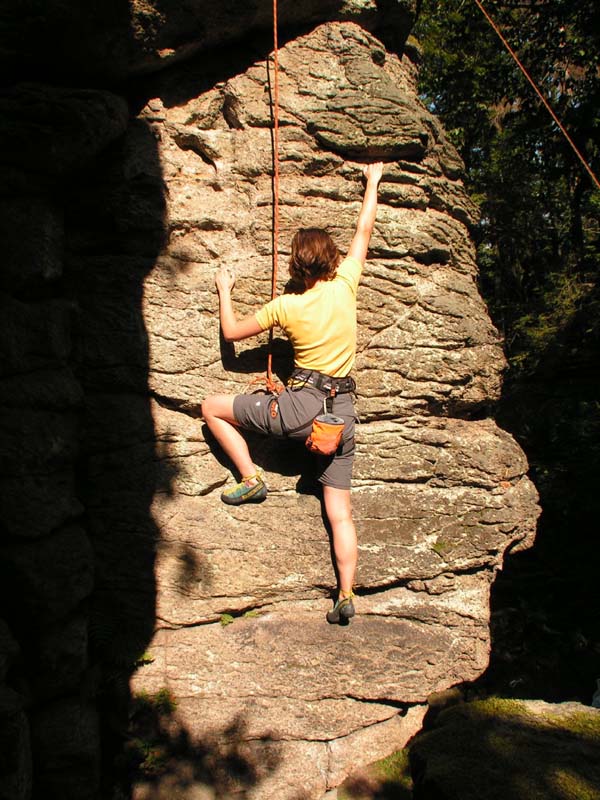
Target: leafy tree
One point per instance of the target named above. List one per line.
(538, 236)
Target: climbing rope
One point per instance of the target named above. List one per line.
(272, 384)
(538, 92)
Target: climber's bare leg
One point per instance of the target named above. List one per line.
(339, 513)
(217, 411)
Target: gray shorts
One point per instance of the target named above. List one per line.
(292, 418)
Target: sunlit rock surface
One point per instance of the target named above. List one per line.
(438, 497)
(117, 554)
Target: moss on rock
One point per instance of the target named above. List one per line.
(499, 749)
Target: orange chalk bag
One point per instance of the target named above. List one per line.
(327, 431)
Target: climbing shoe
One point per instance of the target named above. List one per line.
(342, 611)
(246, 491)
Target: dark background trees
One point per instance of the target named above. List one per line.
(538, 243)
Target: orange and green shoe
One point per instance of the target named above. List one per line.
(342, 611)
(251, 489)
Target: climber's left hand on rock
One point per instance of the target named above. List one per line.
(225, 279)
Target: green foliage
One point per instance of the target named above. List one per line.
(162, 702)
(227, 619)
(389, 777)
(538, 242)
(395, 768)
(146, 750)
(441, 547)
(539, 208)
(144, 659)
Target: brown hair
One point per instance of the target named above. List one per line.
(314, 257)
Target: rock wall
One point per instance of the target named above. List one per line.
(47, 705)
(439, 497)
(117, 556)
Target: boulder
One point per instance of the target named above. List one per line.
(111, 341)
(440, 494)
(505, 750)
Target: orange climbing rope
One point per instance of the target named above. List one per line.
(538, 92)
(272, 384)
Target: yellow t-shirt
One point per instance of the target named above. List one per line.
(321, 322)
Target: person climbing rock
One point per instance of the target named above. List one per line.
(319, 318)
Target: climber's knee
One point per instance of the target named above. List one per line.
(219, 406)
(209, 406)
(337, 505)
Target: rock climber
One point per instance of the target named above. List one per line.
(319, 318)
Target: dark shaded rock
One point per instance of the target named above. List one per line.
(15, 751)
(66, 742)
(46, 579)
(74, 125)
(33, 336)
(35, 505)
(109, 41)
(37, 485)
(57, 666)
(8, 649)
(31, 228)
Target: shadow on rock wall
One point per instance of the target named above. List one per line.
(84, 223)
(165, 760)
(114, 220)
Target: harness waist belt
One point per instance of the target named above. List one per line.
(310, 377)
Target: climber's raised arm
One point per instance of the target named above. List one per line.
(366, 218)
(233, 328)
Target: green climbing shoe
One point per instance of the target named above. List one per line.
(245, 491)
(342, 611)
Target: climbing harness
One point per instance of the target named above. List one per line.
(327, 428)
(310, 377)
(538, 92)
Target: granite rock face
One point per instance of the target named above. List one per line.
(439, 497)
(116, 551)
